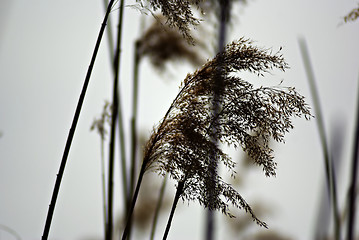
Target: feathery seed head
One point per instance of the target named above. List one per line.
(353, 15)
(182, 145)
(178, 13)
(163, 43)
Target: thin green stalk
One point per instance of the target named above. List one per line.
(353, 181)
(134, 123)
(73, 127)
(329, 169)
(179, 191)
(115, 108)
(158, 207)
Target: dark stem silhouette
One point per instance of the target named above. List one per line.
(353, 181)
(174, 205)
(133, 202)
(329, 167)
(115, 107)
(142, 172)
(73, 127)
(158, 207)
(218, 88)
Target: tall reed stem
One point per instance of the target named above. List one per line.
(224, 15)
(73, 127)
(134, 120)
(329, 168)
(123, 167)
(179, 191)
(134, 127)
(158, 207)
(103, 180)
(134, 199)
(145, 162)
(353, 180)
(109, 34)
(120, 117)
(115, 107)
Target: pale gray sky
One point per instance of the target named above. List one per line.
(45, 49)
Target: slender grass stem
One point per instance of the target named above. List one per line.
(134, 199)
(134, 120)
(109, 34)
(353, 180)
(73, 127)
(224, 15)
(120, 122)
(123, 165)
(329, 167)
(115, 110)
(134, 123)
(145, 162)
(109, 228)
(158, 207)
(112, 57)
(179, 191)
(10, 231)
(103, 180)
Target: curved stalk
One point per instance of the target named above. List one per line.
(158, 207)
(134, 199)
(179, 191)
(146, 161)
(73, 127)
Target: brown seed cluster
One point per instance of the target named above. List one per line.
(353, 15)
(182, 145)
(162, 43)
(178, 13)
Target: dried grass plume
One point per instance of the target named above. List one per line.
(178, 13)
(353, 15)
(182, 145)
(162, 43)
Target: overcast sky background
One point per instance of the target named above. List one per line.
(45, 49)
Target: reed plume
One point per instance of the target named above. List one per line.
(181, 145)
(162, 43)
(178, 13)
(352, 15)
(101, 124)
